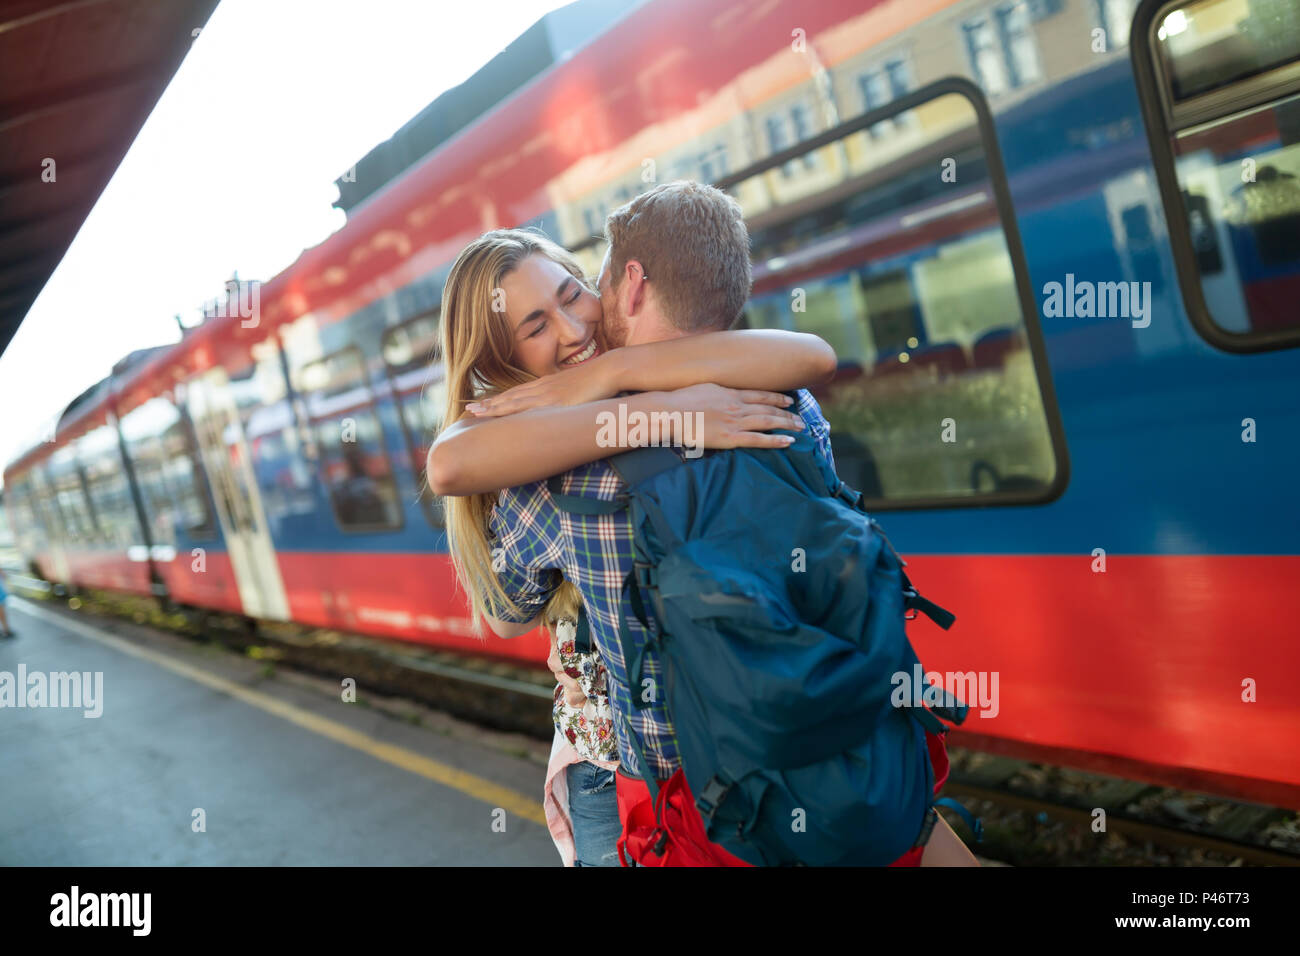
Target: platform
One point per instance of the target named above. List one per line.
(284, 771)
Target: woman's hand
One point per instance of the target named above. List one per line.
(591, 381)
(717, 417)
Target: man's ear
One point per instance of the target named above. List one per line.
(633, 292)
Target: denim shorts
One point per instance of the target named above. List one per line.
(593, 808)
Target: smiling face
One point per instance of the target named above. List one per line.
(554, 318)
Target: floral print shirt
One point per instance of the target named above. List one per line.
(589, 728)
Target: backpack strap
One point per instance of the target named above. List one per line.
(582, 635)
(913, 601)
(634, 663)
(642, 464)
(574, 504)
(642, 764)
(951, 709)
(633, 467)
(652, 784)
(927, 720)
(968, 818)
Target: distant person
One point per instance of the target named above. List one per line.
(357, 495)
(4, 619)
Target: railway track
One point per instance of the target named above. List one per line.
(1136, 830)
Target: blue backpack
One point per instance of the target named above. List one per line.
(780, 608)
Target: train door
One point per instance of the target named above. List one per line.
(239, 506)
(47, 510)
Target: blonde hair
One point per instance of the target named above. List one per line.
(692, 240)
(477, 349)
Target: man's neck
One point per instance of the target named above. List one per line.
(655, 328)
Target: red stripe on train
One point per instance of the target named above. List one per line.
(1139, 669)
(413, 597)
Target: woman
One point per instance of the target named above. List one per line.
(516, 309)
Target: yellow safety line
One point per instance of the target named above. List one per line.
(494, 795)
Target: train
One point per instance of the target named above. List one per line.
(1055, 244)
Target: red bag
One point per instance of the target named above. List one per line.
(666, 832)
(675, 835)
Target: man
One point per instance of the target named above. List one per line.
(677, 265)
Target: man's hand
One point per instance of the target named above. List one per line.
(736, 418)
(591, 381)
(573, 692)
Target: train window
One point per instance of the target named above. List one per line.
(106, 482)
(162, 457)
(43, 506)
(70, 496)
(903, 254)
(1221, 89)
(354, 460)
(411, 356)
(159, 508)
(186, 480)
(280, 450)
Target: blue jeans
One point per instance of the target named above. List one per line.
(593, 808)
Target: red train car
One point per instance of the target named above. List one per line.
(926, 178)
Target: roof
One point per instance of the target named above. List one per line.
(550, 41)
(78, 78)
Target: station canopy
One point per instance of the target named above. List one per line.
(78, 78)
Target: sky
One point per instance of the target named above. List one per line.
(234, 170)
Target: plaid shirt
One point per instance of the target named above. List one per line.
(542, 545)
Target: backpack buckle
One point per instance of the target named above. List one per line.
(909, 611)
(661, 843)
(644, 574)
(850, 497)
(714, 793)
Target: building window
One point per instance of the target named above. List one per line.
(802, 121)
(882, 86)
(1018, 42)
(1115, 17)
(778, 138)
(713, 164)
(1001, 48)
(985, 57)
